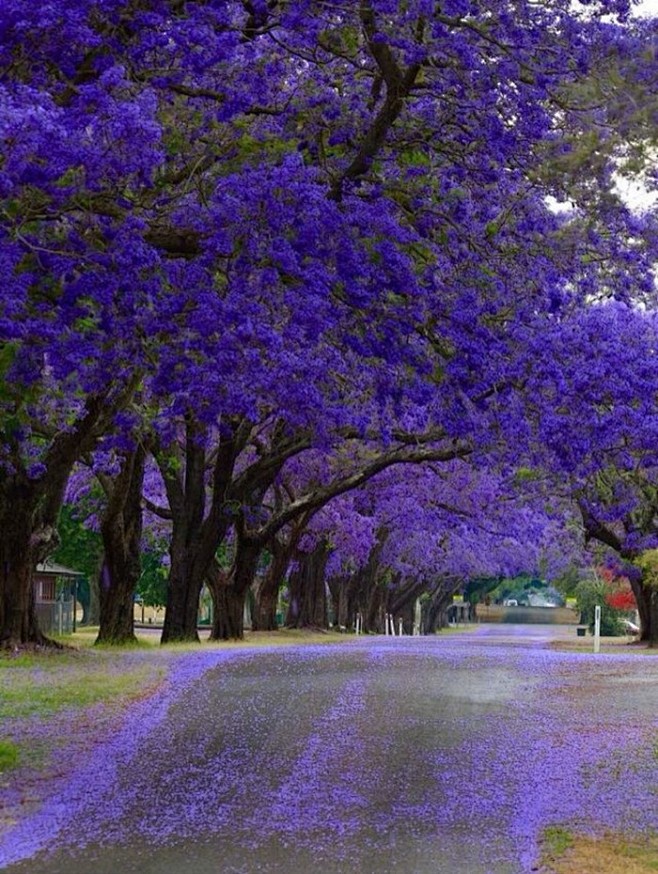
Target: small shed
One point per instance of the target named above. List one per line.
(459, 612)
(56, 613)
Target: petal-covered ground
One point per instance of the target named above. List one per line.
(443, 754)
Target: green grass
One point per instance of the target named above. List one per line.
(564, 852)
(48, 681)
(556, 841)
(9, 755)
(47, 690)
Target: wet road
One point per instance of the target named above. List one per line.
(446, 755)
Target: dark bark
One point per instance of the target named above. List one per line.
(342, 591)
(434, 613)
(402, 603)
(266, 599)
(18, 558)
(28, 523)
(228, 620)
(29, 508)
(646, 597)
(183, 593)
(361, 592)
(121, 529)
(375, 610)
(307, 587)
(229, 591)
(197, 530)
(434, 609)
(266, 589)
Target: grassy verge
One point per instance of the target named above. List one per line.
(149, 638)
(566, 853)
(82, 675)
(608, 644)
(45, 691)
(9, 755)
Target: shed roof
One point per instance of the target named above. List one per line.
(52, 569)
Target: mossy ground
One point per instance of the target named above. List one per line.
(565, 853)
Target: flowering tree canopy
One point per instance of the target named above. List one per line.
(304, 220)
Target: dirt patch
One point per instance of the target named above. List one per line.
(606, 855)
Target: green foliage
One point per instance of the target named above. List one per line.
(478, 588)
(152, 585)
(523, 590)
(648, 564)
(591, 593)
(80, 548)
(567, 582)
(8, 755)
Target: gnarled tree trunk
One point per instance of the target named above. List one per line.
(28, 534)
(646, 597)
(266, 590)
(266, 599)
(121, 529)
(183, 593)
(308, 591)
(228, 619)
(18, 558)
(229, 591)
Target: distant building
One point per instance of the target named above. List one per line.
(56, 615)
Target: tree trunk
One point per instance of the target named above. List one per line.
(266, 598)
(652, 636)
(647, 605)
(197, 530)
(402, 603)
(183, 593)
(18, 622)
(121, 529)
(434, 611)
(339, 591)
(375, 609)
(229, 591)
(25, 541)
(117, 588)
(266, 590)
(308, 594)
(228, 620)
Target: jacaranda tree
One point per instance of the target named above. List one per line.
(216, 214)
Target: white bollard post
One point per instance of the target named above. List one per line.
(399, 628)
(386, 624)
(392, 623)
(597, 629)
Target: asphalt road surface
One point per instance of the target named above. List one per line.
(447, 755)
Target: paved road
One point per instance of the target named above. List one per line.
(445, 755)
